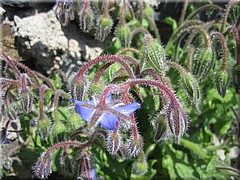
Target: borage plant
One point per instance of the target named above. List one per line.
(113, 97)
(113, 109)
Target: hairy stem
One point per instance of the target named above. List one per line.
(195, 148)
(41, 102)
(184, 25)
(183, 12)
(223, 43)
(234, 30)
(56, 100)
(139, 30)
(213, 6)
(204, 33)
(104, 58)
(28, 70)
(177, 67)
(100, 72)
(122, 51)
(160, 86)
(153, 25)
(106, 6)
(122, 14)
(230, 4)
(11, 63)
(190, 58)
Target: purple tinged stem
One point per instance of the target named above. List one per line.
(56, 99)
(171, 95)
(104, 58)
(105, 66)
(23, 81)
(223, 43)
(41, 102)
(28, 70)
(230, 4)
(11, 63)
(122, 14)
(237, 40)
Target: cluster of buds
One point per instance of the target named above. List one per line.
(85, 171)
(64, 11)
(100, 21)
(43, 167)
(112, 109)
(86, 17)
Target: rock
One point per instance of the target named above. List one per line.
(2, 14)
(2, 11)
(42, 38)
(18, 3)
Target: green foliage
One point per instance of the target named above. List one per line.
(204, 152)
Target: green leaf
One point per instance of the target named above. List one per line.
(29, 155)
(185, 171)
(171, 22)
(168, 163)
(145, 23)
(56, 155)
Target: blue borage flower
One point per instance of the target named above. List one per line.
(107, 120)
(93, 174)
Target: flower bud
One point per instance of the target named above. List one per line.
(191, 89)
(85, 166)
(86, 18)
(134, 145)
(43, 127)
(155, 55)
(236, 77)
(104, 25)
(203, 61)
(64, 11)
(124, 35)
(140, 167)
(160, 125)
(78, 88)
(177, 121)
(66, 163)
(26, 99)
(43, 167)
(220, 81)
(113, 142)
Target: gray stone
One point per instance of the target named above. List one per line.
(2, 11)
(42, 38)
(18, 3)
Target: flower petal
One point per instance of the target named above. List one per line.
(109, 98)
(5, 142)
(109, 121)
(85, 113)
(93, 174)
(127, 109)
